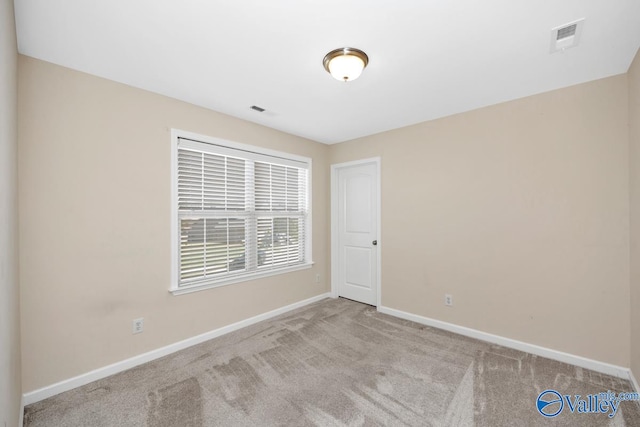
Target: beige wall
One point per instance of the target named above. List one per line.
(94, 162)
(10, 386)
(520, 211)
(634, 164)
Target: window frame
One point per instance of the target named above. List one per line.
(226, 146)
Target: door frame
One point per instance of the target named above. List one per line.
(335, 230)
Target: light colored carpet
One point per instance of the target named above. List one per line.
(334, 363)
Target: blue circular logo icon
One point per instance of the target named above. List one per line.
(550, 403)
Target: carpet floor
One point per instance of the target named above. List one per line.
(336, 363)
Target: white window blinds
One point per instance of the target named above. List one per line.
(239, 213)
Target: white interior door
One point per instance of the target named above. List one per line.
(355, 216)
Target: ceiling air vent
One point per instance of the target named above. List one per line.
(565, 32)
(566, 36)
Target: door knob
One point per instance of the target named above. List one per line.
(375, 243)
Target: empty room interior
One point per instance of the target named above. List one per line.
(319, 213)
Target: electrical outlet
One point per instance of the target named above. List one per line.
(318, 278)
(138, 325)
(448, 300)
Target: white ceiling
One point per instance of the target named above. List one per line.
(428, 58)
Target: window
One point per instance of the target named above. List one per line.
(239, 212)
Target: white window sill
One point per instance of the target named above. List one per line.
(244, 278)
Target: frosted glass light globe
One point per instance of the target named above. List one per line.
(345, 64)
(346, 67)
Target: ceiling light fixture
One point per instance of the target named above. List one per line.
(345, 64)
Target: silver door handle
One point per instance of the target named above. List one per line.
(375, 243)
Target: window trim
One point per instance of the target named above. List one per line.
(175, 287)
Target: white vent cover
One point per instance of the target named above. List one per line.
(566, 36)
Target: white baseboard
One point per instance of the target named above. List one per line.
(583, 362)
(97, 374)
